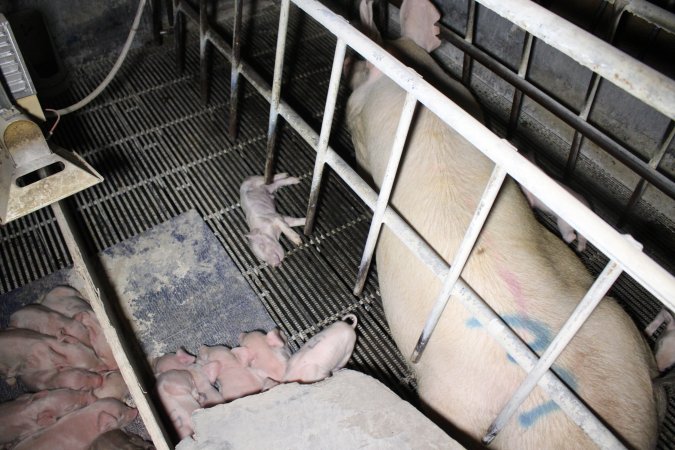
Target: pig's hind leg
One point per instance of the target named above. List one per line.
(661, 317)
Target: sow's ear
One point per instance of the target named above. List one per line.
(418, 23)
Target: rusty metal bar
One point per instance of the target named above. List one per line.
(234, 75)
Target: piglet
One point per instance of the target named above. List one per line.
(265, 223)
(119, 440)
(79, 429)
(24, 352)
(267, 354)
(113, 385)
(70, 303)
(173, 361)
(325, 353)
(70, 378)
(179, 395)
(47, 321)
(665, 343)
(29, 413)
(234, 379)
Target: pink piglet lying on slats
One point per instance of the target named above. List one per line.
(265, 223)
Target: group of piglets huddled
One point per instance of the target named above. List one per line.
(219, 374)
(58, 352)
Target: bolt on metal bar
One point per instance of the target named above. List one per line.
(276, 89)
(468, 38)
(579, 316)
(327, 123)
(83, 267)
(487, 200)
(205, 52)
(668, 137)
(234, 75)
(517, 103)
(398, 145)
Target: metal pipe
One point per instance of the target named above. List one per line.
(83, 267)
(636, 78)
(615, 149)
(276, 90)
(327, 123)
(583, 115)
(579, 316)
(492, 188)
(386, 187)
(179, 36)
(234, 75)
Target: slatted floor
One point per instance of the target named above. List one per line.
(163, 152)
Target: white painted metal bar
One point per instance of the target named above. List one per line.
(638, 265)
(582, 312)
(385, 189)
(101, 306)
(522, 170)
(276, 89)
(326, 124)
(639, 80)
(494, 184)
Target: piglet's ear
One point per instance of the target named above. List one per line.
(106, 422)
(418, 22)
(184, 357)
(244, 355)
(275, 338)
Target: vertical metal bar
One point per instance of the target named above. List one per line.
(517, 103)
(169, 11)
(583, 115)
(83, 266)
(205, 52)
(179, 37)
(579, 316)
(494, 184)
(470, 33)
(322, 145)
(654, 163)
(276, 90)
(385, 189)
(234, 75)
(156, 21)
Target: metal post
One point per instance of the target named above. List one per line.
(579, 316)
(205, 52)
(385, 189)
(468, 38)
(459, 261)
(517, 103)
(654, 163)
(179, 37)
(276, 90)
(583, 115)
(329, 110)
(234, 75)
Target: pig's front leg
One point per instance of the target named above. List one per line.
(285, 224)
(281, 180)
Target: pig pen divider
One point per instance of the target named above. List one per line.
(621, 252)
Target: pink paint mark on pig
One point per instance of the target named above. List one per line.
(265, 223)
(324, 353)
(515, 288)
